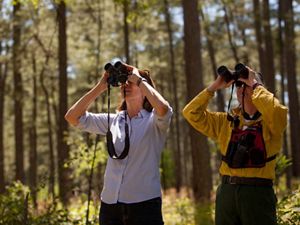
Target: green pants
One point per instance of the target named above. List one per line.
(245, 205)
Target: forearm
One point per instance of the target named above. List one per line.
(204, 121)
(154, 97)
(79, 108)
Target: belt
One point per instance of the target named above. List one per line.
(252, 181)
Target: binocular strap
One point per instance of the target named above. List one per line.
(109, 139)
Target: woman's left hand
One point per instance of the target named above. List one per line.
(251, 78)
(135, 76)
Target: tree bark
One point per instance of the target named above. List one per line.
(3, 76)
(178, 164)
(126, 31)
(33, 138)
(258, 34)
(290, 65)
(282, 85)
(18, 93)
(62, 147)
(52, 168)
(211, 52)
(269, 75)
(231, 42)
(202, 181)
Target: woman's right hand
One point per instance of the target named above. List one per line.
(218, 84)
(103, 81)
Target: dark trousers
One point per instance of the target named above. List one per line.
(245, 205)
(142, 213)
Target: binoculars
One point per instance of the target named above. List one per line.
(240, 71)
(118, 73)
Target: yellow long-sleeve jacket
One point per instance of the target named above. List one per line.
(216, 126)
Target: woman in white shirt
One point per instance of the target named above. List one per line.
(132, 192)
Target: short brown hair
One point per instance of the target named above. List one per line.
(146, 104)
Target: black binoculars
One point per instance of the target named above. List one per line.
(240, 71)
(118, 73)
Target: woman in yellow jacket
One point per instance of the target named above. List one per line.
(249, 139)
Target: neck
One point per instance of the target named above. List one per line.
(133, 108)
(250, 109)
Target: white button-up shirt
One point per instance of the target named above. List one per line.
(135, 178)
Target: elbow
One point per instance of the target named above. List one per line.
(163, 110)
(185, 112)
(71, 119)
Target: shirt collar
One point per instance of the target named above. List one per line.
(142, 113)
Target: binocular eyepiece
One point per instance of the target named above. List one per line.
(240, 71)
(118, 73)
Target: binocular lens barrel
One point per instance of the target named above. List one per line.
(118, 73)
(240, 71)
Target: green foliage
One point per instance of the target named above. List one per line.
(17, 209)
(12, 205)
(204, 214)
(288, 209)
(178, 211)
(82, 154)
(282, 162)
(168, 169)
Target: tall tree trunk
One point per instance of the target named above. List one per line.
(18, 93)
(202, 181)
(48, 111)
(258, 34)
(62, 147)
(269, 75)
(2, 105)
(211, 52)
(99, 169)
(283, 89)
(290, 62)
(50, 132)
(178, 165)
(126, 31)
(242, 28)
(33, 138)
(231, 42)
(3, 75)
(134, 57)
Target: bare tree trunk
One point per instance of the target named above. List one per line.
(48, 112)
(211, 52)
(2, 105)
(290, 62)
(135, 55)
(99, 29)
(269, 75)
(50, 133)
(283, 89)
(202, 180)
(231, 42)
(18, 93)
(241, 27)
(178, 164)
(33, 138)
(62, 147)
(3, 75)
(50, 138)
(258, 34)
(126, 32)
